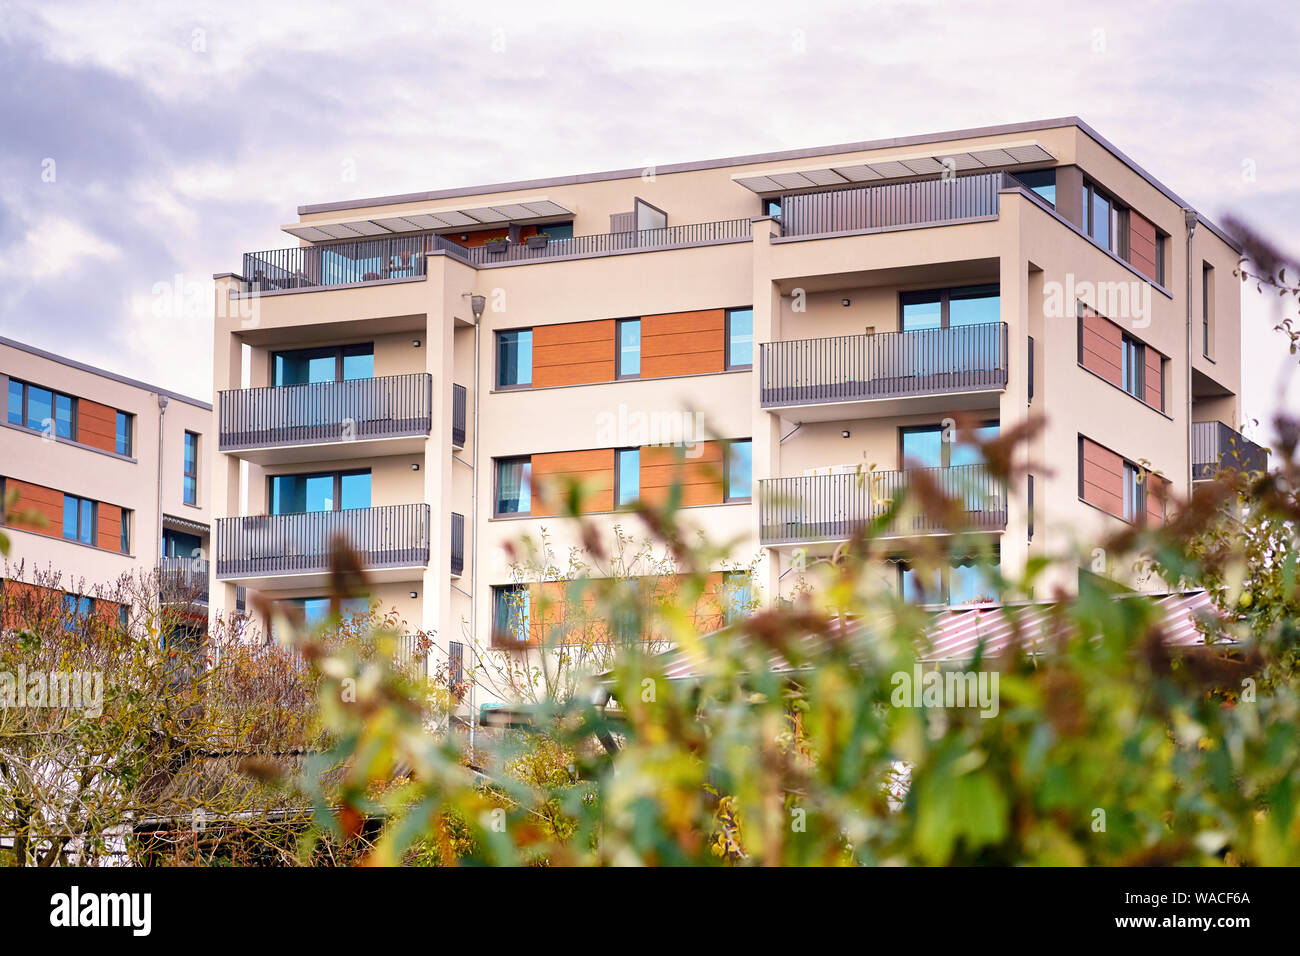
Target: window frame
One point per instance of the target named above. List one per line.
(731, 614)
(94, 519)
(618, 476)
(340, 352)
(945, 447)
(124, 426)
(336, 491)
(727, 446)
(126, 531)
(24, 403)
(497, 466)
(1207, 309)
(496, 360)
(944, 298)
(190, 479)
(1117, 232)
(619, 326)
(728, 364)
(512, 627)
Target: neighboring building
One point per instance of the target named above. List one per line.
(420, 366)
(118, 469)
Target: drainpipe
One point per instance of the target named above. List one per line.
(1189, 218)
(477, 303)
(162, 412)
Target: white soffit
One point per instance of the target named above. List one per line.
(778, 181)
(500, 214)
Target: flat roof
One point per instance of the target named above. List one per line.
(780, 156)
(103, 373)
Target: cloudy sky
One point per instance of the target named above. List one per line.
(145, 146)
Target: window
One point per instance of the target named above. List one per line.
(1042, 182)
(558, 230)
(1162, 246)
(328, 491)
(1102, 219)
(455, 667)
(342, 363)
(510, 611)
(515, 358)
(740, 338)
(627, 475)
(191, 484)
(1207, 306)
(629, 348)
(962, 581)
(76, 609)
(514, 478)
(737, 595)
(924, 446)
(739, 476)
(1135, 499)
(947, 308)
(1132, 365)
(126, 531)
(178, 544)
(124, 428)
(79, 519)
(316, 610)
(42, 409)
(772, 207)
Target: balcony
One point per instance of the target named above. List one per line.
(1215, 446)
(327, 420)
(457, 544)
(830, 507)
(183, 580)
(458, 416)
(294, 550)
(893, 206)
(391, 258)
(856, 376)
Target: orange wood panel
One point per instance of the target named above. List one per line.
(1142, 244)
(1102, 347)
(1157, 489)
(1103, 478)
(554, 470)
(109, 533)
(44, 501)
(96, 425)
(573, 353)
(1155, 371)
(700, 477)
(683, 343)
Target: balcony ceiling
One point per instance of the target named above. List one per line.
(502, 214)
(1021, 154)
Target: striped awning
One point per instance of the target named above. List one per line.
(184, 525)
(502, 214)
(954, 635)
(928, 164)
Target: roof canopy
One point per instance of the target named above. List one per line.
(472, 218)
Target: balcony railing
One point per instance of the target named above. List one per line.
(610, 243)
(403, 257)
(1215, 446)
(324, 412)
(832, 507)
(884, 365)
(183, 580)
(457, 544)
(343, 263)
(458, 416)
(389, 536)
(896, 205)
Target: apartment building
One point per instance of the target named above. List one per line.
(760, 329)
(118, 470)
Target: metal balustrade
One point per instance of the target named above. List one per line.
(893, 205)
(458, 416)
(832, 507)
(457, 544)
(883, 365)
(388, 536)
(325, 412)
(1215, 446)
(404, 257)
(183, 580)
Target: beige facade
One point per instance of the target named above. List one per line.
(102, 458)
(872, 244)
